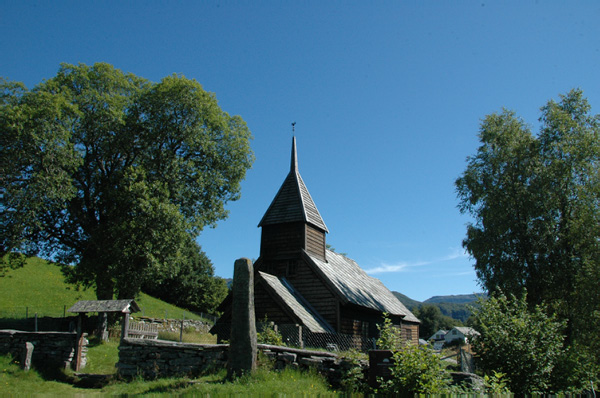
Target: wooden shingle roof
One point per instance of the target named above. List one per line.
(122, 306)
(296, 304)
(293, 201)
(353, 285)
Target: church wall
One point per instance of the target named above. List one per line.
(281, 240)
(315, 242)
(410, 331)
(315, 292)
(265, 305)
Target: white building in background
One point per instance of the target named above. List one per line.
(460, 333)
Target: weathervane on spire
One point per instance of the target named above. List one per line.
(293, 128)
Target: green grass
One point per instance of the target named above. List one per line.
(15, 382)
(102, 356)
(189, 337)
(39, 287)
(263, 383)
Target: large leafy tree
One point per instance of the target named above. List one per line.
(113, 174)
(193, 286)
(535, 201)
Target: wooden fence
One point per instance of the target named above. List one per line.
(142, 330)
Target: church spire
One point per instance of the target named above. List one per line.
(293, 201)
(294, 163)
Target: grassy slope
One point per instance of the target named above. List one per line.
(40, 287)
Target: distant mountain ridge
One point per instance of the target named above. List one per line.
(458, 298)
(454, 306)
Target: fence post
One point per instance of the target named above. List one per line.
(125, 326)
(26, 312)
(181, 332)
(64, 311)
(35, 323)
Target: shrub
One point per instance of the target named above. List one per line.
(523, 344)
(269, 334)
(390, 337)
(353, 378)
(416, 370)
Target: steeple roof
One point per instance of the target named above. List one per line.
(293, 201)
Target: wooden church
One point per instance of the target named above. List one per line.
(298, 281)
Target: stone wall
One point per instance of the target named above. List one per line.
(158, 358)
(49, 348)
(174, 325)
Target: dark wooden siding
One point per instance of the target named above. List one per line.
(281, 240)
(410, 331)
(315, 242)
(360, 321)
(265, 305)
(312, 288)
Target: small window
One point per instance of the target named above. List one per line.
(365, 329)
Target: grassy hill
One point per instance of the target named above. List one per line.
(39, 287)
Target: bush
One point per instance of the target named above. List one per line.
(523, 344)
(416, 370)
(269, 334)
(390, 337)
(353, 379)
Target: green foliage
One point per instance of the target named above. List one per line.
(192, 286)
(416, 370)
(115, 174)
(354, 379)
(575, 369)
(268, 334)
(390, 337)
(432, 320)
(535, 200)
(495, 383)
(523, 344)
(536, 205)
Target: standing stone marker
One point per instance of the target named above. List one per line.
(242, 344)
(26, 355)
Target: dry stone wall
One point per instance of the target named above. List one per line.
(174, 325)
(158, 358)
(49, 348)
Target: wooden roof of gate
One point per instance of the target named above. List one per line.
(120, 306)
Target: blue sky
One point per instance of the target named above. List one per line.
(387, 96)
